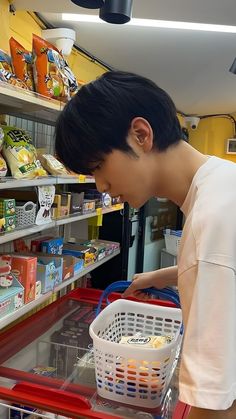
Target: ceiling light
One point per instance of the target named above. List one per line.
(116, 11)
(89, 4)
(168, 24)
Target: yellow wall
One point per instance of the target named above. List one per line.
(22, 25)
(210, 136)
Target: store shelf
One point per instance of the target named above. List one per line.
(18, 233)
(85, 271)
(5, 321)
(73, 218)
(18, 101)
(10, 183)
(23, 232)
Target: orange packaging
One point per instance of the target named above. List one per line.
(25, 270)
(49, 70)
(22, 63)
(6, 71)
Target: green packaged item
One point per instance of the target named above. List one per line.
(7, 207)
(10, 223)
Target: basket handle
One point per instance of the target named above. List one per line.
(166, 293)
(28, 206)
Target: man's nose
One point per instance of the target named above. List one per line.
(101, 184)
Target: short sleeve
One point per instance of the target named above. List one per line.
(208, 363)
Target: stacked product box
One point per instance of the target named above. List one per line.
(7, 214)
(25, 269)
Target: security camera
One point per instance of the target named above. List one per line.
(193, 121)
(63, 38)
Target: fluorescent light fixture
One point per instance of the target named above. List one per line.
(151, 23)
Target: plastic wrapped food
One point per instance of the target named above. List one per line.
(52, 165)
(49, 70)
(20, 154)
(22, 63)
(6, 72)
(140, 341)
(3, 167)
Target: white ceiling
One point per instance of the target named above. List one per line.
(192, 66)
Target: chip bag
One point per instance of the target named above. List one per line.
(49, 70)
(22, 63)
(52, 165)
(20, 154)
(6, 72)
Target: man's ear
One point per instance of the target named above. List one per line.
(141, 133)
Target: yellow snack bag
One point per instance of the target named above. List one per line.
(20, 154)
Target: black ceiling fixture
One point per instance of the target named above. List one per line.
(89, 4)
(116, 11)
(233, 67)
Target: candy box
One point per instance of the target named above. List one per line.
(7, 207)
(11, 298)
(25, 268)
(36, 243)
(49, 272)
(88, 254)
(99, 246)
(53, 246)
(10, 223)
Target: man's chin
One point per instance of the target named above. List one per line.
(136, 204)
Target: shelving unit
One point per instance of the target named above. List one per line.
(18, 233)
(5, 321)
(31, 106)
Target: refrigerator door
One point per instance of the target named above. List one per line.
(46, 363)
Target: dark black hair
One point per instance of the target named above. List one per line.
(97, 119)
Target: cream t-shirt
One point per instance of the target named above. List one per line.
(207, 287)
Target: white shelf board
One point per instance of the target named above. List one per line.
(5, 321)
(10, 183)
(24, 102)
(18, 233)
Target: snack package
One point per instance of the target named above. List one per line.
(52, 165)
(6, 72)
(22, 63)
(45, 197)
(139, 341)
(20, 154)
(73, 84)
(49, 70)
(3, 167)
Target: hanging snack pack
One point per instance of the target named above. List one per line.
(46, 196)
(22, 63)
(6, 72)
(49, 70)
(73, 84)
(20, 154)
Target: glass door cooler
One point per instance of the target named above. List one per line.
(47, 367)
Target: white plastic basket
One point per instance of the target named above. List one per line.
(128, 375)
(25, 214)
(172, 241)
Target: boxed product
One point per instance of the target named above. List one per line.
(36, 244)
(61, 205)
(10, 223)
(53, 246)
(7, 207)
(99, 246)
(88, 254)
(45, 371)
(94, 195)
(76, 204)
(38, 289)
(81, 318)
(49, 272)
(67, 345)
(25, 268)
(88, 206)
(11, 298)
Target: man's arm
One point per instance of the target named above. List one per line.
(197, 413)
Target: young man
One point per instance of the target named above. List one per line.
(123, 129)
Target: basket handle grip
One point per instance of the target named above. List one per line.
(28, 206)
(166, 293)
